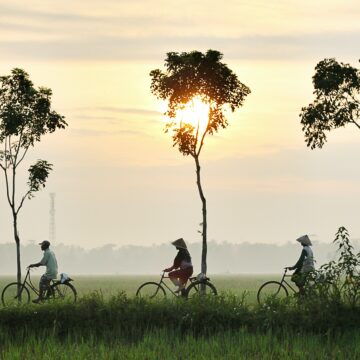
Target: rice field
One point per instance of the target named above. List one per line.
(164, 340)
(111, 285)
(170, 346)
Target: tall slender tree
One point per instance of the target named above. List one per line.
(25, 116)
(191, 77)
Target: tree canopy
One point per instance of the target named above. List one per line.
(192, 75)
(26, 111)
(336, 104)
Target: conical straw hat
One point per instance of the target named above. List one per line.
(304, 240)
(180, 243)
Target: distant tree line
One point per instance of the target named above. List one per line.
(223, 257)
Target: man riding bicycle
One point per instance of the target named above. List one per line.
(48, 260)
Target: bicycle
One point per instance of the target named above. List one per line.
(16, 293)
(272, 289)
(197, 287)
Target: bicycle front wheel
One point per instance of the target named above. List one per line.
(151, 290)
(12, 296)
(62, 292)
(271, 290)
(200, 289)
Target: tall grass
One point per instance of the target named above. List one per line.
(169, 345)
(130, 318)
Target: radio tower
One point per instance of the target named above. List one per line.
(52, 235)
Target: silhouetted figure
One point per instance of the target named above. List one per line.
(182, 262)
(48, 260)
(304, 265)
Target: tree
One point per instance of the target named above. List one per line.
(25, 116)
(336, 103)
(191, 77)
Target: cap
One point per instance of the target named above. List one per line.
(45, 242)
(180, 243)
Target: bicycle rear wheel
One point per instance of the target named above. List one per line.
(151, 290)
(65, 292)
(12, 296)
(195, 289)
(271, 290)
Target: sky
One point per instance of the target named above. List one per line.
(117, 178)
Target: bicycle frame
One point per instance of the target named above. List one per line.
(284, 281)
(29, 283)
(162, 282)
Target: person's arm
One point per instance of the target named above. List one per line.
(169, 269)
(300, 262)
(177, 262)
(43, 261)
(35, 265)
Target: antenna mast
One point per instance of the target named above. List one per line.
(52, 234)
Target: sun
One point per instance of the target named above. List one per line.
(195, 113)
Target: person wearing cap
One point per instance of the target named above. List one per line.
(182, 265)
(48, 260)
(304, 265)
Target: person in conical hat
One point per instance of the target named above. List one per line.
(182, 268)
(304, 265)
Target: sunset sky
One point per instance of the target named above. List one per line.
(117, 177)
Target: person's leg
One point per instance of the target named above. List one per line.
(43, 286)
(186, 274)
(183, 276)
(299, 279)
(177, 278)
(174, 277)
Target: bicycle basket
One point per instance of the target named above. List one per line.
(201, 277)
(64, 278)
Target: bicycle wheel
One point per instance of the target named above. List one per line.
(151, 290)
(195, 289)
(271, 289)
(11, 295)
(62, 292)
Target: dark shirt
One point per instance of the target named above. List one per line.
(301, 260)
(182, 255)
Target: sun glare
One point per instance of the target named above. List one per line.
(195, 113)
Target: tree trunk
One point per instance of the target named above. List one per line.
(17, 241)
(204, 213)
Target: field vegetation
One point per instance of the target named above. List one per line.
(111, 323)
(225, 326)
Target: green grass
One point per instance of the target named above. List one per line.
(111, 324)
(167, 345)
(111, 285)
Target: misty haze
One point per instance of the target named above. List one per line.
(223, 258)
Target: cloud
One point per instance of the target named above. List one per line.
(118, 110)
(93, 132)
(133, 31)
(106, 48)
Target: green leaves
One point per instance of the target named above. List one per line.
(336, 104)
(26, 112)
(25, 116)
(192, 75)
(340, 278)
(38, 174)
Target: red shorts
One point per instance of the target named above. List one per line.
(182, 274)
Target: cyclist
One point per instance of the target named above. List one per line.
(304, 265)
(48, 260)
(182, 262)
